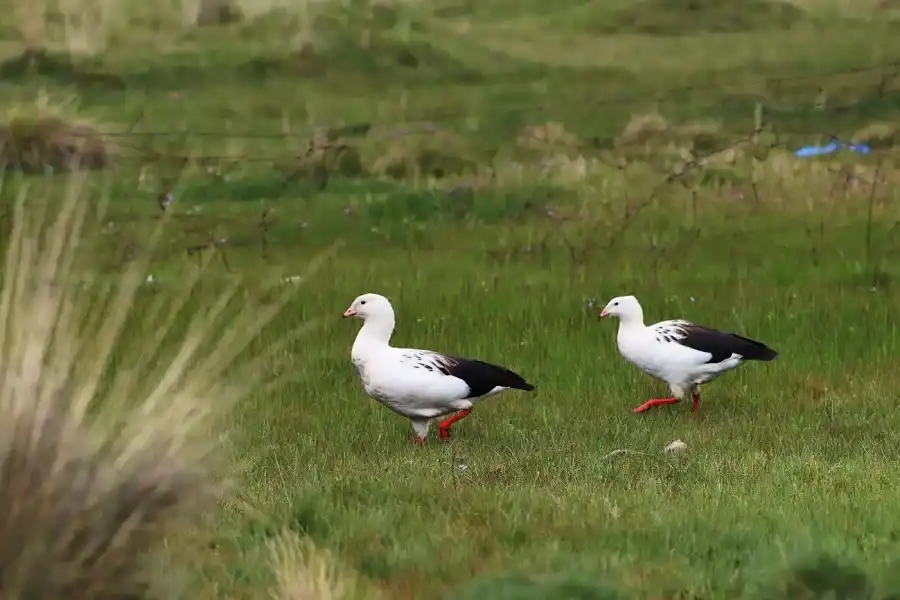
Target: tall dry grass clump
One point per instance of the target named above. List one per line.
(100, 460)
(303, 571)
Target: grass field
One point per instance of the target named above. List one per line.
(498, 169)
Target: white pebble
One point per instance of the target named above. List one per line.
(676, 446)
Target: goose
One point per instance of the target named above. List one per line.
(421, 385)
(683, 354)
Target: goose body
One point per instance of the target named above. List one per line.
(683, 354)
(420, 384)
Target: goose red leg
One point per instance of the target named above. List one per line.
(655, 402)
(696, 404)
(444, 428)
(418, 440)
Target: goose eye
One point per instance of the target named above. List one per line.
(363, 302)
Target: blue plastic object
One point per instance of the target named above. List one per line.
(834, 146)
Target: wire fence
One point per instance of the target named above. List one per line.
(881, 80)
(819, 119)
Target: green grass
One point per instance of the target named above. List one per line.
(497, 246)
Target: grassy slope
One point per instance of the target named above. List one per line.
(790, 458)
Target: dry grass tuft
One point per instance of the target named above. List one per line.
(421, 150)
(654, 129)
(880, 135)
(305, 572)
(651, 137)
(547, 138)
(100, 459)
(643, 127)
(46, 136)
(44, 144)
(327, 154)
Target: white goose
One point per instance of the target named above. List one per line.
(682, 354)
(419, 384)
